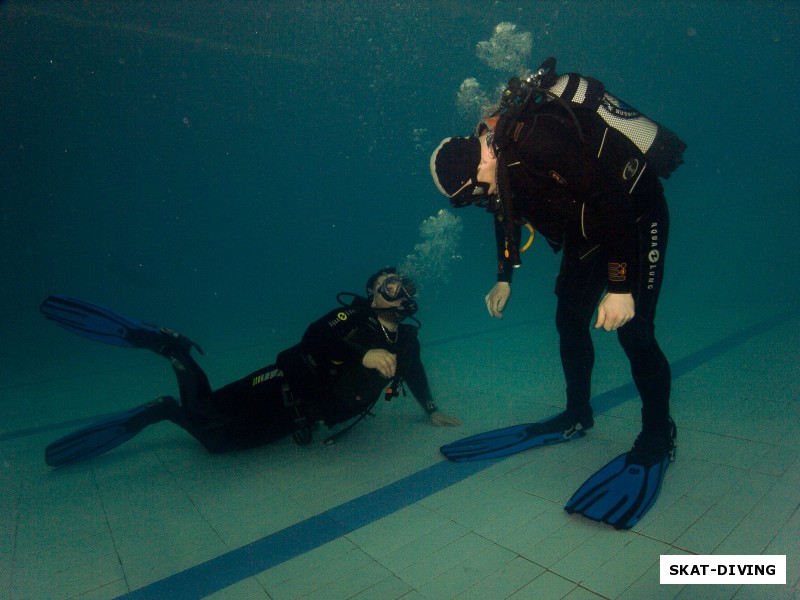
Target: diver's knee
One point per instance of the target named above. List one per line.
(636, 328)
(569, 321)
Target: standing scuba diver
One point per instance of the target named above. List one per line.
(337, 372)
(564, 157)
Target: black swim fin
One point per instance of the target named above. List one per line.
(109, 432)
(626, 488)
(517, 438)
(105, 325)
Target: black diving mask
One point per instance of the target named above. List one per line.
(397, 287)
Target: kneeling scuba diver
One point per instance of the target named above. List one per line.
(325, 379)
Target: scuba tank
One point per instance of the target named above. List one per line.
(655, 146)
(662, 149)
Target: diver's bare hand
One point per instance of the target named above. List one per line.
(497, 298)
(381, 360)
(614, 311)
(443, 420)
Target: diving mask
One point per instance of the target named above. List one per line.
(396, 287)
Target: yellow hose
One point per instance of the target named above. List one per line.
(530, 239)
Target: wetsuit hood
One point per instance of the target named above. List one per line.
(454, 168)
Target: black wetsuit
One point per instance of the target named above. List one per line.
(320, 379)
(612, 226)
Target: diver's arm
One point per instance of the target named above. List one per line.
(611, 221)
(618, 234)
(505, 270)
(417, 380)
(498, 296)
(331, 336)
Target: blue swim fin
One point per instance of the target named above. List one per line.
(514, 439)
(109, 432)
(105, 325)
(626, 488)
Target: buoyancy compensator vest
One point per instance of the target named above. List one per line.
(656, 147)
(662, 149)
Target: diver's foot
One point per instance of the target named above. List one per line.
(173, 339)
(165, 403)
(164, 408)
(173, 410)
(163, 341)
(653, 447)
(565, 423)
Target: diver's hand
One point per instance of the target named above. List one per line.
(443, 420)
(614, 311)
(497, 298)
(382, 360)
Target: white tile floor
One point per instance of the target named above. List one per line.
(159, 505)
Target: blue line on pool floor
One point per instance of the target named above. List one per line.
(254, 558)
(234, 566)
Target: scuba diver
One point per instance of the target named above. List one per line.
(336, 373)
(566, 159)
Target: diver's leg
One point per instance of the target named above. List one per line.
(649, 367)
(249, 412)
(196, 396)
(198, 413)
(578, 287)
(259, 407)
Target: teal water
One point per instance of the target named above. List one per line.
(226, 168)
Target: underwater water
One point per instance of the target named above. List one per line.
(226, 168)
(210, 165)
